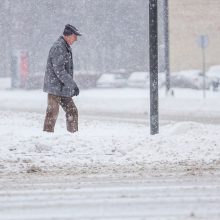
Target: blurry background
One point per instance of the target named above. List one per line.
(115, 37)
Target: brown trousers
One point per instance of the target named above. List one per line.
(53, 110)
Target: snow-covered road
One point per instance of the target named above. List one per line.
(112, 168)
(107, 141)
(126, 104)
(91, 198)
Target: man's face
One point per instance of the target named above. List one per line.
(72, 38)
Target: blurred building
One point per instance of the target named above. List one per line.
(188, 20)
(115, 33)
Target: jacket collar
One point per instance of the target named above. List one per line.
(61, 38)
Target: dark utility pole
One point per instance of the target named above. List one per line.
(153, 54)
(166, 42)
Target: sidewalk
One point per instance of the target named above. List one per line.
(105, 147)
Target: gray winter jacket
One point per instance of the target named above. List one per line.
(58, 78)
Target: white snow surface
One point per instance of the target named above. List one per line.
(127, 101)
(107, 146)
(102, 146)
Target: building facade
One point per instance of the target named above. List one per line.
(187, 21)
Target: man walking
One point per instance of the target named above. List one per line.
(59, 83)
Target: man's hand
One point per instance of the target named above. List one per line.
(76, 91)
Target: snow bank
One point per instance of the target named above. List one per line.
(186, 102)
(103, 147)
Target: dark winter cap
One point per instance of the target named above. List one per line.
(69, 30)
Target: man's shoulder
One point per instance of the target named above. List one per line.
(59, 43)
(58, 46)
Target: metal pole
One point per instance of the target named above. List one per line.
(153, 54)
(166, 42)
(204, 72)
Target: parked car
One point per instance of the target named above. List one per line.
(139, 80)
(142, 80)
(86, 79)
(110, 80)
(214, 75)
(193, 79)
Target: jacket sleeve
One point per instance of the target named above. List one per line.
(58, 60)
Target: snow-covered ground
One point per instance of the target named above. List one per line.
(109, 198)
(127, 102)
(112, 168)
(103, 146)
(107, 141)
